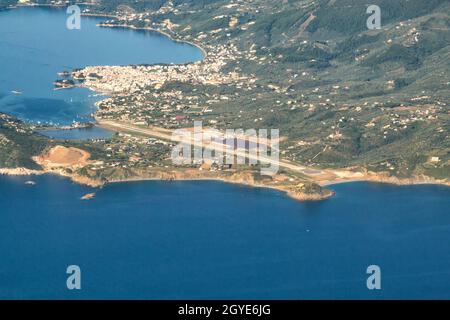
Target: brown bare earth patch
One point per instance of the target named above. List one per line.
(65, 162)
(64, 157)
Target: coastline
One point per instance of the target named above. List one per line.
(373, 178)
(299, 197)
(100, 184)
(302, 197)
(392, 181)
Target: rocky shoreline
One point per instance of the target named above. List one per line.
(236, 178)
(415, 180)
(174, 174)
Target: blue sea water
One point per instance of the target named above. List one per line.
(35, 45)
(189, 240)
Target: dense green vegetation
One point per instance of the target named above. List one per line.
(18, 144)
(349, 16)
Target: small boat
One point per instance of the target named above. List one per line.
(16, 92)
(30, 183)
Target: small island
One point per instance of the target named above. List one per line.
(88, 196)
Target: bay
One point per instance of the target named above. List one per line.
(36, 45)
(211, 240)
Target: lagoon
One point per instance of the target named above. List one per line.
(89, 133)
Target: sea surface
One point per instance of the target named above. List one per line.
(189, 240)
(35, 45)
